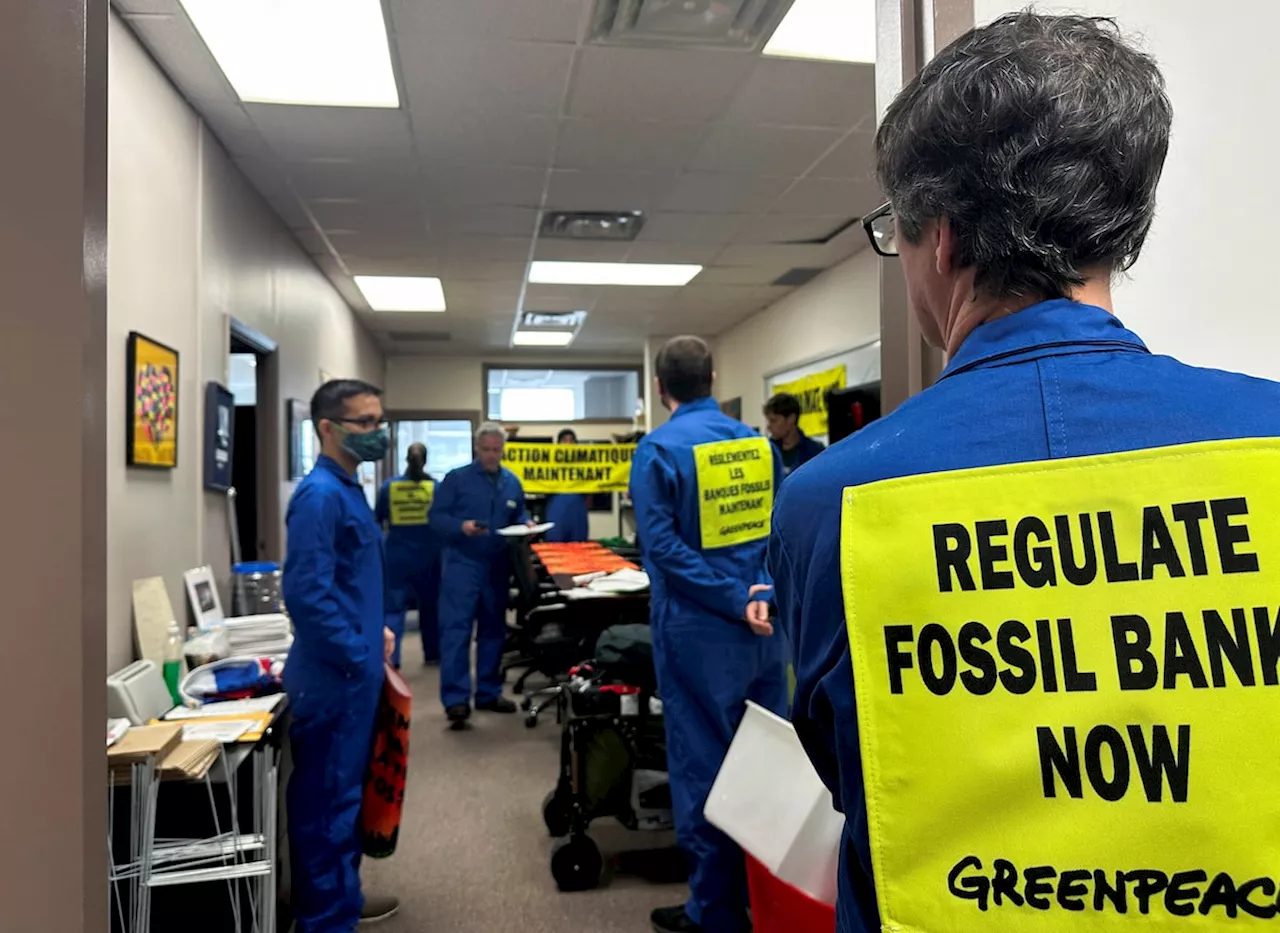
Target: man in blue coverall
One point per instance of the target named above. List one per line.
(413, 552)
(567, 509)
(471, 504)
(782, 420)
(333, 587)
(703, 487)
(1021, 168)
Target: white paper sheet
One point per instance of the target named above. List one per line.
(521, 531)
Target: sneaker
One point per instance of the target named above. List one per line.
(673, 920)
(458, 716)
(500, 705)
(376, 909)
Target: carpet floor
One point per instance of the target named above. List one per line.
(473, 853)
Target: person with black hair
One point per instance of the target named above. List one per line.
(413, 552)
(782, 421)
(703, 487)
(568, 509)
(1021, 167)
(333, 587)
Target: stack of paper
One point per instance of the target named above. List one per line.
(259, 636)
(189, 760)
(621, 581)
(139, 743)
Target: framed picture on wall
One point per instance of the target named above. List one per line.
(219, 421)
(302, 439)
(151, 421)
(732, 407)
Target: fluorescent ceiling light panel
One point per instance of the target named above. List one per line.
(829, 30)
(401, 293)
(611, 273)
(543, 338)
(332, 53)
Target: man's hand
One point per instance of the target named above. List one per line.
(388, 643)
(472, 530)
(757, 612)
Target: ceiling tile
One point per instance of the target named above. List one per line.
(362, 180)
(187, 60)
(443, 74)
(463, 185)
(692, 228)
(412, 265)
(815, 196)
(790, 92)
(301, 133)
(760, 274)
(237, 133)
(532, 20)
(619, 302)
(617, 146)
(565, 250)
(496, 296)
(699, 253)
(468, 137)
(763, 150)
(577, 190)
(656, 84)
(748, 254)
(312, 241)
(485, 221)
(384, 218)
(483, 249)
(853, 158)
(791, 228)
(148, 7)
(462, 270)
(360, 244)
(723, 192)
(560, 298)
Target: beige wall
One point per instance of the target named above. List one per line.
(836, 311)
(190, 244)
(1201, 291)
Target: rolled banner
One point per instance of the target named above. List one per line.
(388, 769)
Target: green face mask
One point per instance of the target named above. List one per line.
(367, 447)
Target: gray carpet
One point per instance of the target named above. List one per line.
(473, 852)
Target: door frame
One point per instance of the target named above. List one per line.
(270, 440)
(390, 467)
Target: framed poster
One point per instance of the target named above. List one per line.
(732, 407)
(302, 439)
(219, 416)
(151, 426)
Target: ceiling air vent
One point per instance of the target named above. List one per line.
(418, 336)
(592, 225)
(720, 24)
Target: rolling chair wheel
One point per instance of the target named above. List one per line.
(526, 704)
(557, 814)
(576, 864)
(531, 721)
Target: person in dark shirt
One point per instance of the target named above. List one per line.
(782, 421)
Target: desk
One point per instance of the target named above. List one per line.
(242, 853)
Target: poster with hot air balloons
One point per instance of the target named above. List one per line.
(152, 434)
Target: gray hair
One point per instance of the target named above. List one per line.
(490, 428)
(1041, 139)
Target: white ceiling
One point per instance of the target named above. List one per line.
(508, 111)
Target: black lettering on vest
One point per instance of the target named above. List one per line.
(990, 554)
(1234, 647)
(972, 635)
(1056, 758)
(1230, 536)
(1117, 894)
(1161, 763)
(1117, 571)
(1048, 663)
(1010, 639)
(1004, 883)
(1268, 644)
(1131, 637)
(1180, 656)
(951, 549)
(1035, 564)
(1263, 911)
(1158, 546)
(1037, 888)
(1082, 573)
(1117, 785)
(899, 660)
(970, 887)
(1072, 888)
(1191, 514)
(1074, 679)
(938, 683)
(1220, 893)
(1148, 883)
(1181, 891)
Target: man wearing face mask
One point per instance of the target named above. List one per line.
(333, 587)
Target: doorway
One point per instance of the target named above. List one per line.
(251, 379)
(447, 435)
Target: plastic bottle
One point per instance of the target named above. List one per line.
(173, 662)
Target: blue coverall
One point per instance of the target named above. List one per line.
(413, 568)
(803, 452)
(475, 574)
(1058, 379)
(333, 587)
(709, 662)
(569, 512)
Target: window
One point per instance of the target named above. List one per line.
(448, 444)
(562, 395)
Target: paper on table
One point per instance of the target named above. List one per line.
(621, 581)
(227, 708)
(520, 531)
(583, 593)
(217, 731)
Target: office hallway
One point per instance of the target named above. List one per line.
(473, 852)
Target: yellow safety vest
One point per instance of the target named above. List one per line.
(409, 502)
(735, 490)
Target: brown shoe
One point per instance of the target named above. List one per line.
(376, 909)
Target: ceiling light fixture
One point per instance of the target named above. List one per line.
(827, 30)
(331, 53)
(542, 338)
(401, 293)
(592, 225)
(542, 272)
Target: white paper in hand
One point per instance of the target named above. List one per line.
(521, 531)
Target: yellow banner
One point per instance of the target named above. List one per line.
(563, 468)
(409, 502)
(1067, 677)
(735, 490)
(812, 392)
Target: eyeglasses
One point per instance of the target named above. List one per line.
(368, 422)
(881, 230)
